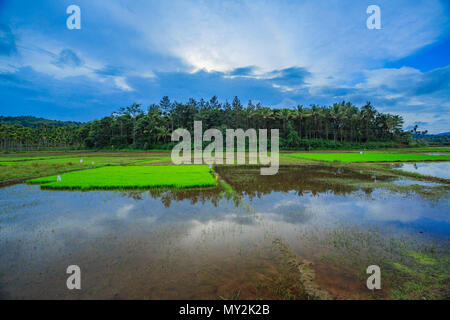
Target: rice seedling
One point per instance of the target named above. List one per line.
(131, 177)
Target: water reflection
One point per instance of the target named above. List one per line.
(247, 181)
(305, 179)
(212, 195)
(435, 169)
(190, 244)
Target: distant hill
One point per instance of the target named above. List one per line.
(33, 122)
(440, 138)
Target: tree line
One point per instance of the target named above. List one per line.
(34, 122)
(20, 138)
(340, 125)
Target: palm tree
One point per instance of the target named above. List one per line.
(324, 114)
(314, 116)
(266, 114)
(335, 115)
(162, 132)
(299, 114)
(368, 113)
(285, 115)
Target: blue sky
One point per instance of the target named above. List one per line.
(280, 53)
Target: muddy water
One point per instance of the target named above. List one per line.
(326, 222)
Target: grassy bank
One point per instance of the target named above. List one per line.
(131, 177)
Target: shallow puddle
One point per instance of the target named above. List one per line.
(208, 244)
(409, 182)
(435, 169)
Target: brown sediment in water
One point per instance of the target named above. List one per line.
(307, 273)
(342, 285)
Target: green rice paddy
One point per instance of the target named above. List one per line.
(369, 157)
(131, 177)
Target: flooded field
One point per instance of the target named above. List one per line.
(435, 169)
(309, 232)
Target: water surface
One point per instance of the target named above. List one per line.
(435, 169)
(210, 245)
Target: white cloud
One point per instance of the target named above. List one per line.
(41, 53)
(121, 83)
(391, 77)
(221, 36)
(123, 211)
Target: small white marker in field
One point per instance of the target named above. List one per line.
(59, 178)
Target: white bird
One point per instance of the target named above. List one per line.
(59, 178)
(360, 152)
(81, 160)
(92, 162)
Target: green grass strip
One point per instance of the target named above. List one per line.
(131, 177)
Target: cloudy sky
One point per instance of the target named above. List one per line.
(280, 53)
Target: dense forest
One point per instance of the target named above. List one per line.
(342, 125)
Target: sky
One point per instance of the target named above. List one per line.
(279, 53)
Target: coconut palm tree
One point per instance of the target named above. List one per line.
(300, 114)
(368, 113)
(285, 115)
(266, 114)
